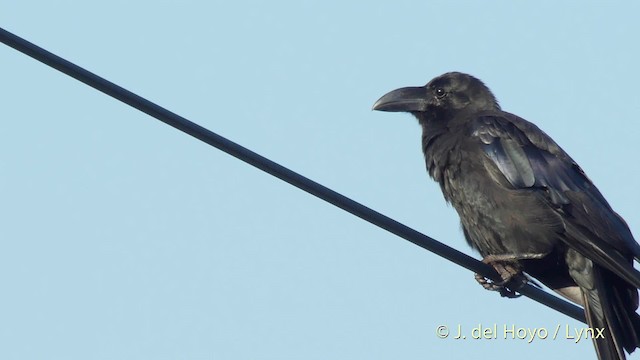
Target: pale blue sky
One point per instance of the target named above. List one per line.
(122, 238)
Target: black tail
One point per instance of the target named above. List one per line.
(611, 305)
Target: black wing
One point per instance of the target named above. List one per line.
(529, 159)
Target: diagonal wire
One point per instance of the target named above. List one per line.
(279, 171)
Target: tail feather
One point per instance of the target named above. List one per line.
(607, 348)
(610, 305)
(623, 301)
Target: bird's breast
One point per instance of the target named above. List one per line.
(496, 218)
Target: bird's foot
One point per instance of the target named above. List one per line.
(510, 273)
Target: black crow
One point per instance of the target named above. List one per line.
(526, 206)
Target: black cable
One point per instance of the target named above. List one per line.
(279, 171)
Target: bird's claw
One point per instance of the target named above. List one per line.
(500, 287)
(511, 276)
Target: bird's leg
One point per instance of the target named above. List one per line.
(510, 272)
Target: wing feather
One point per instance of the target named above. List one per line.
(530, 160)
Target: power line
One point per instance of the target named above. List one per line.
(279, 171)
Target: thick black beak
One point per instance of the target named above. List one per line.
(407, 99)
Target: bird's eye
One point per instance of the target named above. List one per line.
(440, 93)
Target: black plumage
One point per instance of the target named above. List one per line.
(525, 205)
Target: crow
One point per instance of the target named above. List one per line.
(526, 205)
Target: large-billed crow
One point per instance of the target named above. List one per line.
(525, 205)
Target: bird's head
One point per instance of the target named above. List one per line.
(442, 98)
